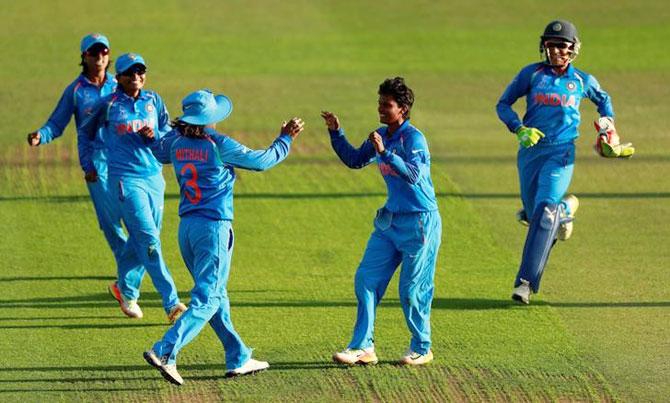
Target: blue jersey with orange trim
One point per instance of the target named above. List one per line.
(552, 101)
(205, 169)
(121, 116)
(405, 166)
(78, 99)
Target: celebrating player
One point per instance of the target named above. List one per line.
(204, 163)
(407, 230)
(131, 119)
(78, 99)
(553, 90)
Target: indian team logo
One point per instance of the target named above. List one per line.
(571, 86)
(132, 56)
(150, 108)
(122, 114)
(95, 36)
(557, 27)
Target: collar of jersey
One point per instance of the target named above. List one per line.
(121, 95)
(110, 79)
(570, 72)
(402, 127)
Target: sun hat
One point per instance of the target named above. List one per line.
(202, 107)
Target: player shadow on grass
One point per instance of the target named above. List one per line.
(152, 300)
(54, 278)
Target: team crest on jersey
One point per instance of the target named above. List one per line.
(571, 86)
(122, 113)
(150, 108)
(544, 83)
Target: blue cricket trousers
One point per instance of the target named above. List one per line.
(206, 246)
(107, 209)
(141, 202)
(411, 240)
(545, 172)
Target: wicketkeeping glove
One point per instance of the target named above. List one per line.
(528, 136)
(608, 144)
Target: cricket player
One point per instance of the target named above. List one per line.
(78, 99)
(553, 89)
(131, 119)
(407, 229)
(204, 163)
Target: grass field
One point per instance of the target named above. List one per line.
(597, 332)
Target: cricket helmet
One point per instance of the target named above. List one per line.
(564, 31)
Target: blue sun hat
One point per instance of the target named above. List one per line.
(93, 39)
(204, 108)
(128, 60)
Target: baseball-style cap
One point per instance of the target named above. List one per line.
(204, 108)
(128, 60)
(93, 39)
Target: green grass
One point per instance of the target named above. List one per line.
(598, 330)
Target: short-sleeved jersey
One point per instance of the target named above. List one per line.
(121, 117)
(78, 99)
(404, 165)
(205, 169)
(552, 101)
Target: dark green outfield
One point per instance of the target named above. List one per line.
(598, 331)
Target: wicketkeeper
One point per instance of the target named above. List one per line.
(553, 89)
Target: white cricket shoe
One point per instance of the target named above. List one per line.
(250, 367)
(176, 312)
(353, 356)
(522, 218)
(565, 229)
(522, 292)
(130, 308)
(168, 371)
(414, 358)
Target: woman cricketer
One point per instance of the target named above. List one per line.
(132, 119)
(553, 89)
(78, 99)
(204, 163)
(407, 229)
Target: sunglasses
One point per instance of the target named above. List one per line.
(558, 45)
(136, 69)
(97, 50)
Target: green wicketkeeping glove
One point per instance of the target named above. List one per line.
(608, 143)
(528, 136)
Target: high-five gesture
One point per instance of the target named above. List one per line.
(293, 127)
(332, 121)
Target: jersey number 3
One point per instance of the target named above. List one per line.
(192, 183)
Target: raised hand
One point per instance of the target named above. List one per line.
(293, 127)
(377, 142)
(332, 121)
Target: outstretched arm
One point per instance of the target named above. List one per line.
(352, 157)
(234, 153)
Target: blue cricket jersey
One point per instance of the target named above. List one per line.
(120, 117)
(552, 101)
(78, 99)
(205, 169)
(405, 166)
